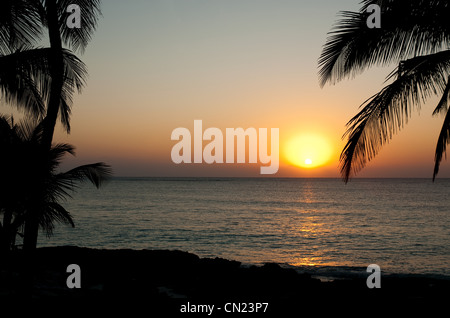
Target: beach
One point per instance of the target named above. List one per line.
(170, 283)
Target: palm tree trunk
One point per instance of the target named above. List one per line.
(56, 61)
(30, 233)
(57, 73)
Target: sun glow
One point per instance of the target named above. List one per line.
(308, 151)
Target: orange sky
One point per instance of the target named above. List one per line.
(158, 65)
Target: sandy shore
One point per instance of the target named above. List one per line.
(170, 282)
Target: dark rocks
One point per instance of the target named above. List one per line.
(161, 280)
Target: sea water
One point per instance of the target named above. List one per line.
(403, 225)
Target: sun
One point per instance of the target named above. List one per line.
(308, 151)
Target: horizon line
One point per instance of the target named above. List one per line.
(266, 177)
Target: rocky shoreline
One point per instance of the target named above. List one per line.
(162, 282)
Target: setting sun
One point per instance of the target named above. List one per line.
(307, 151)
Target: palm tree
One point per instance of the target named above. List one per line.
(31, 187)
(44, 84)
(416, 36)
(53, 16)
(25, 79)
(22, 26)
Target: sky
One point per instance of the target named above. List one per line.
(157, 65)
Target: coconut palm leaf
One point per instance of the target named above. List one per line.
(25, 80)
(443, 103)
(96, 173)
(78, 38)
(75, 74)
(56, 154)
(441, 147)
(409, 28)
(26, 130)
(415, 34)
(65, 111)
(387, 112)
(54, 213)
(19, 24)
(18, 85)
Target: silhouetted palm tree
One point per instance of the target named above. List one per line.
(53, 16)
(416, 35)
(45, 84)
(31, 187)
(25, 79)
(22, 26)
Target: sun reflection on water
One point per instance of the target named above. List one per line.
(307, 194)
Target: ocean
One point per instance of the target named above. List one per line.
(402, 225)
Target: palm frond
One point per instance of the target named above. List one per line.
(443, 103)
(387, 112)
(58, 151)
(78, 39)
(96, 173)
(21, 74)
(65, 110)
(75, 71)
(332, 61)
(75, 74)
(26, 129)
(6, 122)
(25, 81)
(441, 147)
(409, 28)
(19, 24)
(54, 213)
